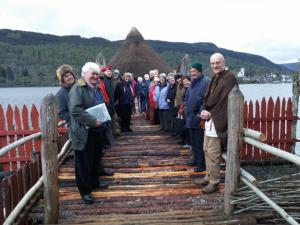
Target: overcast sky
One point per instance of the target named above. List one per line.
(270, 28)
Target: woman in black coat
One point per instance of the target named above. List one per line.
(124, 96)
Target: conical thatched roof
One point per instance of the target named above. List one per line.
(137, 57)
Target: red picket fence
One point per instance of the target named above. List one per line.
(15, 186)
(13, 126)
(275, 121)
(25, 164)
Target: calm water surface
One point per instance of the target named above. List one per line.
(34, 95)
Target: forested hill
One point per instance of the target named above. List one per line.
(30, 59)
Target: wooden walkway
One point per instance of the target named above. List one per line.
(152, 185)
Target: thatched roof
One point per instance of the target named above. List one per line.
(137, 57)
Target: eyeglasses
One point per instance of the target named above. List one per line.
(95, 74)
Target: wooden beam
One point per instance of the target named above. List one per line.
(49, 120)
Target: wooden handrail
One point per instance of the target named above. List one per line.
(23, 140)
(32, 191)
(272, 150)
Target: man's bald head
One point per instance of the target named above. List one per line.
(217, 63)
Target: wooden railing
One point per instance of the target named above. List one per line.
(237, 136)
(19, 190)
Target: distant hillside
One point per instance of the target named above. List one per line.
(291, 66)
(30, 59)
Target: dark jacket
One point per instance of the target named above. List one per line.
(172, 94)
(141, 90)
(110, 85)
(193, 100)
(80, 98)
(62, 97)
(216, 101)
(124, 94)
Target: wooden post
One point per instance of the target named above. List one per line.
(49, 120)
(235, 135)
(295, 101)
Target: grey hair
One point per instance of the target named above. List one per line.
(218, 56)
(90, 66)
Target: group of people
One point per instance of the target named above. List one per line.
(190, 107)
(194, 108)
(89, 134)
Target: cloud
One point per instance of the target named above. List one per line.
(248, 25)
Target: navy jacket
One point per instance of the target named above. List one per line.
(62, 97)
(193, 101)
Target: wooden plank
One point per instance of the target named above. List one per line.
(28, 144)
(10, 126)
(235, 131)
(13, 184)
(256, 126)
(36, 126)
(49, 120)
(282, 125)
(26, 177)
(270, 117)
(7, 196)
(14, 159)
(1, 202)
(290, 117)
(33, 172)
(250, 126)
(244, 145)
(263, 127)
(276, 123)
(20, 180)
(18, 127)
(3, 140)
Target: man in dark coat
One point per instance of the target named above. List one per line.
(193, 105)
(215, 114)
(111, 84)
(87, 132)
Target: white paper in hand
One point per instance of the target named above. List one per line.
(100, 112)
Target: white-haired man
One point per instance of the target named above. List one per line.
(215, 114)
(87, 131)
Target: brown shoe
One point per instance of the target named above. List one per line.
(202, 182)
(210, 188)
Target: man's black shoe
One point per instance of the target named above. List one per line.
(180, 142)
(88, 199)
(174, 134)
(129, 130)
(100, 186)
(106, 173)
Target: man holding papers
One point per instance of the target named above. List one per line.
(87, 132)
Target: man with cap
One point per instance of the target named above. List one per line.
(193, 105)
(215, 114)
(66, 77)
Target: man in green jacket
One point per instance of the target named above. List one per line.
(87, 132)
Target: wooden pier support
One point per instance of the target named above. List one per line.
(49, 120)
(235, 135)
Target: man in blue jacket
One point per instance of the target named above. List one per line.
(193, 105)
